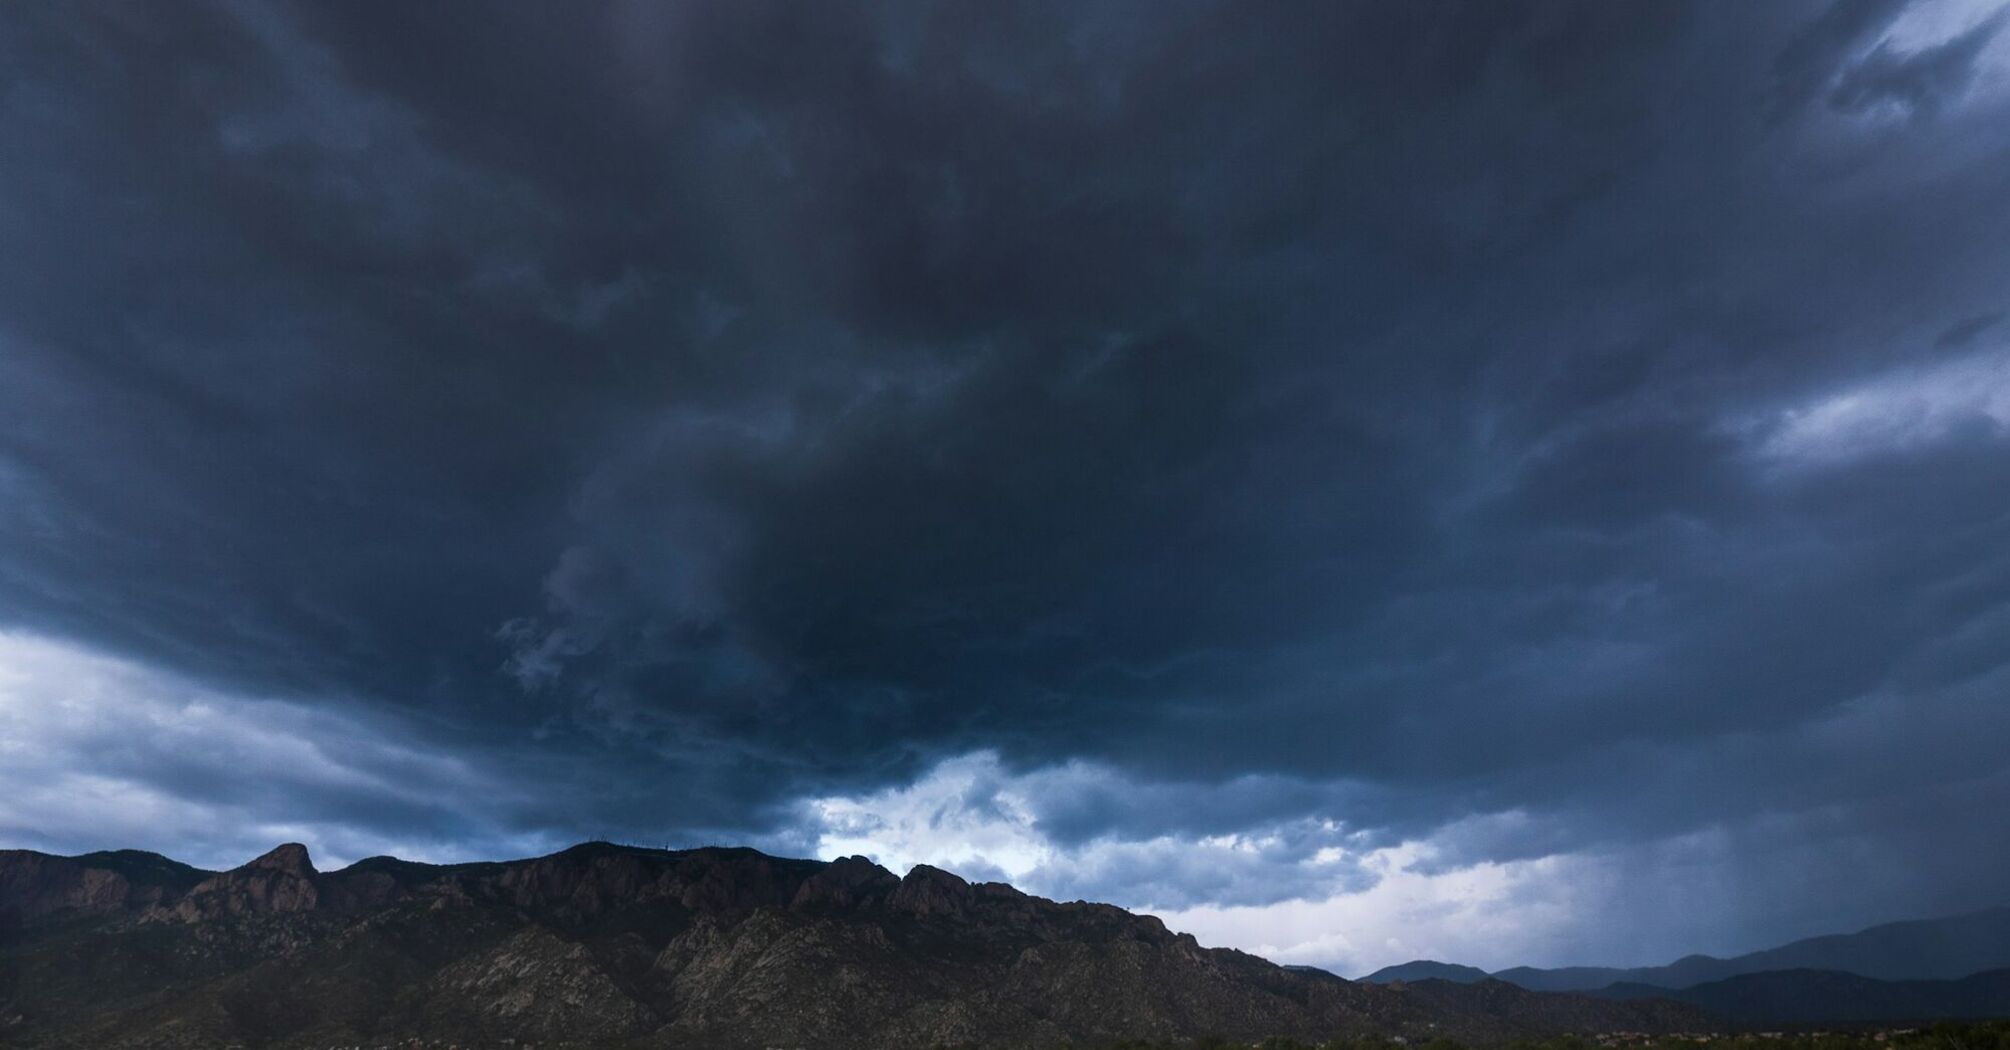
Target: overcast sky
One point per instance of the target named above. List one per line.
(1513, 483)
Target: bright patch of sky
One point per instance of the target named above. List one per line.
(1929, 23)
(98, 752)
(1899, 411)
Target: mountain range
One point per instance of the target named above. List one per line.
(1954, 967)
(1917, 950)
(614, 946)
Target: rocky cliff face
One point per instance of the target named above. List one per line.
(283, 880)
(36, 887)
(604, 945)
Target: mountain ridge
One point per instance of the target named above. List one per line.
(611, 945)
(1429, 970)
(1944, 948)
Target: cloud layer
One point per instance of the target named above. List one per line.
(1523, 482)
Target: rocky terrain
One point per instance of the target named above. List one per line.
(604, 945)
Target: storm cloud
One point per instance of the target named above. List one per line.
(1204, 456)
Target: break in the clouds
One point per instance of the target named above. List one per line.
(1522, 482)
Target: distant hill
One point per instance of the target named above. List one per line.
(1683, 972)
(603, 945)
(1784, 997)
(1926, 949)
(1427, 970)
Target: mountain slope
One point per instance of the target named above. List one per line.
(604, 945)
(35, 886)
(1427, 970)
(1927, 949)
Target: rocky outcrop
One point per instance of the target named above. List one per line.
(602, 945)
(278, 882)
(542, 988)
(846, 883)
(931, 891)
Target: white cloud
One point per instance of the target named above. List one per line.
(1899, 411)
(972, 815)
(1309, 895)
(1310, 890)
(1486, 914)
(1929, 23)
(964, 814)
(98, 752)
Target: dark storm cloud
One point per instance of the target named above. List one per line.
(1401, 413)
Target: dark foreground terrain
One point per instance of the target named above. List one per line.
(614, 946)
(1805, 996)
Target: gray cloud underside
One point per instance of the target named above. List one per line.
(1393, 413)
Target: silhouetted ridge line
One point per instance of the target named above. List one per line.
(604, 944)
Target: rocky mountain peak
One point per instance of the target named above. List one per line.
(929, 890)
(846, 883)
(280, 881)
(290, 858)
